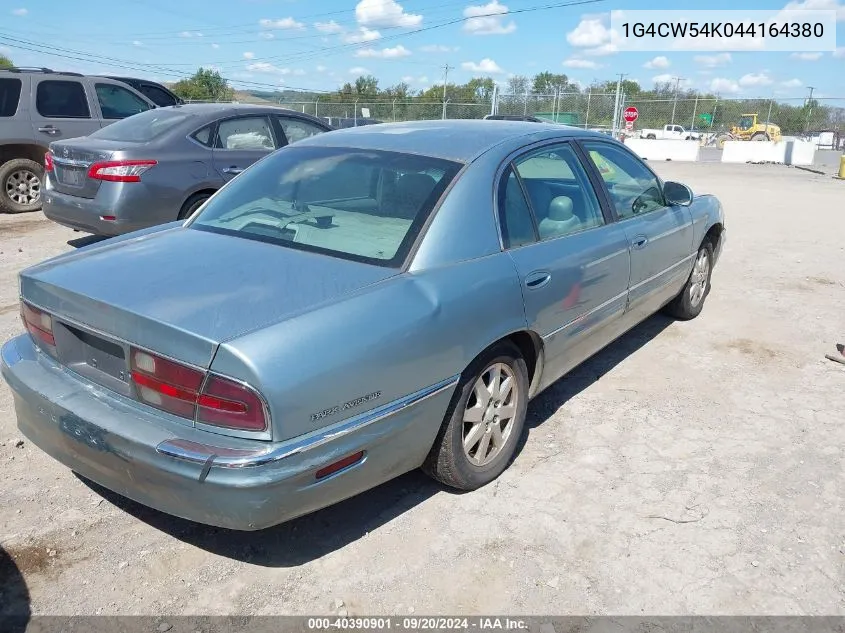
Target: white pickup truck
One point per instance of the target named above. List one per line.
(671, 132)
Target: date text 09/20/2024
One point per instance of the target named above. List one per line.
(420, 623)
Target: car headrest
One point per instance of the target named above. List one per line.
(560, 209)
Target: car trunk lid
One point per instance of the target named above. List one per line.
(179, 292)
(73, 158)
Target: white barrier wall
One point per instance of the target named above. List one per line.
(654, 149)
(786, 152)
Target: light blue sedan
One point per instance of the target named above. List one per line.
(352, 307)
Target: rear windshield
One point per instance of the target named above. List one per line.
(363, 205)
(143, 127)
(10, 93)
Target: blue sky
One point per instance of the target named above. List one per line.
(300, 44)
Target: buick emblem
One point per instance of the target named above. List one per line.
(64, 152)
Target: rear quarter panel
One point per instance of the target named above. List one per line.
(394, 338)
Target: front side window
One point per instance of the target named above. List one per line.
(61, 100)
(363, 205)
(561, 194)
(633, 189)
(117, 102)
(297, 129)
(10, 94)
(245, 133)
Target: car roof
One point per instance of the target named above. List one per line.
(459, 140)
(215, 110)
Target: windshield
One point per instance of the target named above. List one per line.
(746, 122)
(142, 127)
(363, 205)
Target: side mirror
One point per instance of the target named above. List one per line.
(677, 194)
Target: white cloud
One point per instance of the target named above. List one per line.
(486, 65)
(658, 62)
(358, 70)
(832, 5)
(664, 78)
(407, 79)
(590, 32)
(249, 55)
(20, 12)
(720, 84)
(187, 34)
(282, 24)
(328, 27)
(792, 83)
(363, 34)
(438, 48)
(215, 46)
(755, 80)
(604, 49)
(385, 13)
(385, 53)
(321, 69)
(299, 72)
(574, 62)
(267, 35)
(806, 57)
(270, 69)
(712, 61)
(488, 19)
(839, 52)
(138, 44)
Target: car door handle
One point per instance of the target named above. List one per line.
(538, 279)
(639, 242)
(49, 129)
(232, 170)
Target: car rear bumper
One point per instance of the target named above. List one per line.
(203, 477)
(132, 209)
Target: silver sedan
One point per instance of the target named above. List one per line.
(354, 306)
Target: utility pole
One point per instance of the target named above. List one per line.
(446, 69)
(809, 103)
(616, 116)
(675, 101)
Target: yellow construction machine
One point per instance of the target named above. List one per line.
(750, 129)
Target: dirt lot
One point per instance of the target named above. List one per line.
(691, 468)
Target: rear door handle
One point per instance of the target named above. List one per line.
(232, 170)
(538, 279)
(49, 129)
(639, 242)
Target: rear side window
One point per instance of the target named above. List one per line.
(119, 103)
(10, 95)
(203, 136)
(61, 100)
(143, 127)
(297, 129)
(157, 95)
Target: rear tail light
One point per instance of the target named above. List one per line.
(120, 170)
(48, 162)
(190, 393)
(39, 324)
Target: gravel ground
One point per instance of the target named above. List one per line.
(690, 468)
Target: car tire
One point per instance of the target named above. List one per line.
(690, 301)
(469, 422)
(760, 136)
(192, 204)
(21, 185)
(651, 137)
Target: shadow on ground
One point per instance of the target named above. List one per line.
(14, 596)
(315, 535)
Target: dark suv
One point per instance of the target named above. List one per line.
(38, 106)
(155, 92)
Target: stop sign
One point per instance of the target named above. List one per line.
(631, 114)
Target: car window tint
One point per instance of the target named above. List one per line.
(204, 136)
(10, 94)
(61, 100)
(633, 188)
(157, 95)
(142, 127)
(249, 132)
(297, 129)
(561, 195)
(117, 102)
(514, 213)
(365, 205)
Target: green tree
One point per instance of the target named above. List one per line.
(366, 86)
(5, 62)
(518, 85)
(546, 83)
(205, 85)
